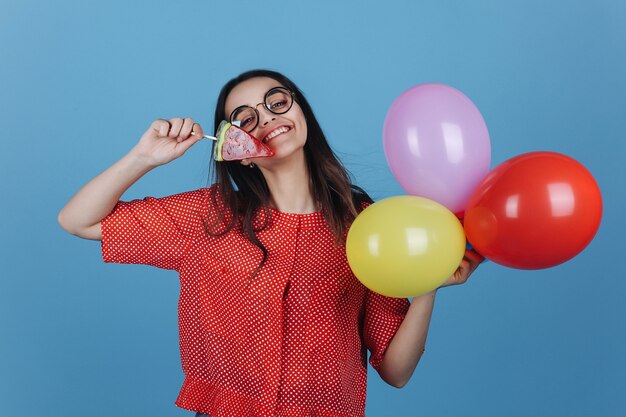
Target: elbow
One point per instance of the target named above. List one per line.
(66, 224)
(397, 379)
(396, 375)
(63, 222)
(398, 382)
(72, 227)
(401, 384)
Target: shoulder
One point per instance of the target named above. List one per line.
(197, 197)
(202, 200)
(360, 198)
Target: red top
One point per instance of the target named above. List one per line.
(289, 342)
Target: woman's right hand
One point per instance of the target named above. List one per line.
(163, 142)
(166, 140)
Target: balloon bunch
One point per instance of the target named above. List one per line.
(533, 211)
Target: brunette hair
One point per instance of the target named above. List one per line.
(332, 188)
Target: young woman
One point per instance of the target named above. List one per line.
(272, 321)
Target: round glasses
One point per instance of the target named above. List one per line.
(277, 101)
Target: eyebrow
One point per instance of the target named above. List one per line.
(260, 102)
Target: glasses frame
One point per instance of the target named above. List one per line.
(264, 103)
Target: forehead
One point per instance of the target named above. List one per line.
(249, 92)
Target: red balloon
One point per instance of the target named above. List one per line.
(534, 211)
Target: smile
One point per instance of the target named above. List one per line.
(276, 132)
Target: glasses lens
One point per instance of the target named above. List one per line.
(278, 100)
(246, 117)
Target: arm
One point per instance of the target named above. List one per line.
(163, 142)
(407, 346)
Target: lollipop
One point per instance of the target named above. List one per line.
(235, 144)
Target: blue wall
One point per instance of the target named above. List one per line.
(81, 80)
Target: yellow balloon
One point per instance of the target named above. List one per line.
(405, 246)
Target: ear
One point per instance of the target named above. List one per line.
(245, 162)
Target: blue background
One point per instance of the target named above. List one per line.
(81, 81)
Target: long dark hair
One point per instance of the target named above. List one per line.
(332, 188)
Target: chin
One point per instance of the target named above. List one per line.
(282, 153)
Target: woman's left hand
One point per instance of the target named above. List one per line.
(470, 262)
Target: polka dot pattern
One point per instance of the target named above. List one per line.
(292, 341)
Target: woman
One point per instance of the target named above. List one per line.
(271, 319)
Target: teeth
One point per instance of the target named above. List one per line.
(276, 132)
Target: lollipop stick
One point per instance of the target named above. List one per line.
(204, 136)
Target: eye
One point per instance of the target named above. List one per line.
(247, 122)
(278, 104)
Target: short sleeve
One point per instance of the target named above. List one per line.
(154, 231)
(383, 316)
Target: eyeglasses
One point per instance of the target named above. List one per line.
(277, 101)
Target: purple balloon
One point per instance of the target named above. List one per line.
(437, 144)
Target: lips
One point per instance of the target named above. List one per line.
(278, 131)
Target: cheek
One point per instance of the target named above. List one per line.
(302, 126)
(305, 132)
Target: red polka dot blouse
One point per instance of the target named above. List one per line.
(291, 341)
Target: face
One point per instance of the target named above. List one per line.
(285, 133)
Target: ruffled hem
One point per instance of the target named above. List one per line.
(216, 401)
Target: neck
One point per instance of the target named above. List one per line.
(290, 186)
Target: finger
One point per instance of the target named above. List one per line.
(197, 130)
(182, 147)
(474, 256)
(465, 264)
(162, 127)
(185, 130)
(177, 124)
(463, 272)
(474, 259)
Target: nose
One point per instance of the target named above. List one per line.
(265, 116)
